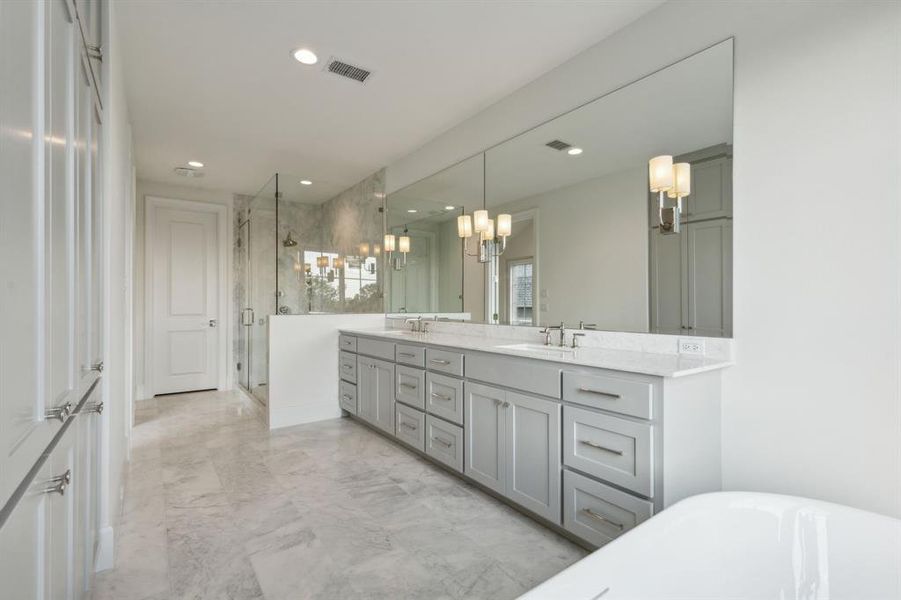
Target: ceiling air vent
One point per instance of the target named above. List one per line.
(339, 67)
(186, 172)
(558, 145)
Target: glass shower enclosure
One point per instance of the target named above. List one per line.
(300, 251)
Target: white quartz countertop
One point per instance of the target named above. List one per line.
(647, 363)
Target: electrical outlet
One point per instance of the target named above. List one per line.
(691, 346)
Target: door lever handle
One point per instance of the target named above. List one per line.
(213, 322)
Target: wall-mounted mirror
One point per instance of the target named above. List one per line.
(573, 231)
(425, 271)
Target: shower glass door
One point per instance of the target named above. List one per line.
(261, 287)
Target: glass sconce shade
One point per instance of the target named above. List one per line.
(481, 220)
(364, 249)
(660, 173)
(338, 262)
(464, 226)
(322, 262)
(376, 250)
(404, 244)
(504, 225)
(681, 181)
(488, 233)
(390, 241)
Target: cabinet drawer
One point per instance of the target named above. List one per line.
(410, 386)
(444, 361)
(347, 342)
(598, 513)
(410, 426)
(410, 355)
(347, 397)
(444, 442)
(535, 377)
(610, 448)
(347, 367)
(376, 348)
(609, 393)
(444, 397)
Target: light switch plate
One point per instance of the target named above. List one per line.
(691, 346)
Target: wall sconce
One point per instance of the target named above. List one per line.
(393, 243)
(492, 241)
(675, 180)
(338, 263)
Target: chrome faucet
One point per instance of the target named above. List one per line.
(584, 325)
(415, 323)
(547, 333)
(576, 337)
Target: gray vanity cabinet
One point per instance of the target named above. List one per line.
(375, 392)
(513, 447)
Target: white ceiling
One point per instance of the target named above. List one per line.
(215, 81)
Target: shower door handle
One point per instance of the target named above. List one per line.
(244, 320)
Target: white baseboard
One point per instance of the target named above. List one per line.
(298, 415)
(105, 558)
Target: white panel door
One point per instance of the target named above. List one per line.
(185, 300)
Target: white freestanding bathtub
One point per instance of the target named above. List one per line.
(738, 545)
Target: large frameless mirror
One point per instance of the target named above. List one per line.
(615, 216)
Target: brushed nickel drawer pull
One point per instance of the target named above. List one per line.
(95, 408)
(601, 519)
(445, 442)
(599, 447)
(407, 354)
(409, 386)
(347, 398)
(347, 366)
(60, 412)
(438, 396)
(408, 426)
(59, 483)
(438, 361)
(586, 390)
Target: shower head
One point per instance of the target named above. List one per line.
(289, 242)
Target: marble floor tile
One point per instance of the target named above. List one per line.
(218, 507)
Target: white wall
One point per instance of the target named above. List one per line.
(812, 406)
(593, 237)
(177, 192)
(303, 365)
(118, 206)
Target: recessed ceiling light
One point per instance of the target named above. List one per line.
(449, 208)
(306, 57)
(574, 151)
(412, 210)
(195, 163)
(306, 182)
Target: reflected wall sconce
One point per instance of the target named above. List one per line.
(400, 244)
(675, 181)
(492, 240)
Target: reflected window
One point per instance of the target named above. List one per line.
(519, 280)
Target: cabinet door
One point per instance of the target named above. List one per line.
(365, 395)
(24, 540)
(87, 490)
(23, 431)
(711, 190)
(383, 394)
(533, 454)
(669, 289)
(64, 557)
(485, 436)
(709, 259)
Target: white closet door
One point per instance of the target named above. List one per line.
(23, 432)
(185, 300)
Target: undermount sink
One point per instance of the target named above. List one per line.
(561, 350)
